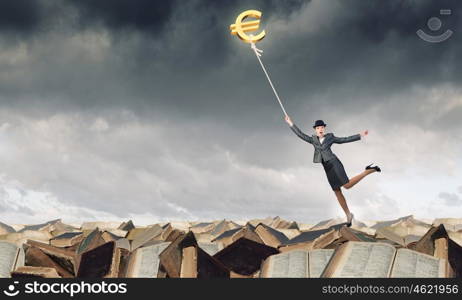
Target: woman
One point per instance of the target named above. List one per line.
(333, 167)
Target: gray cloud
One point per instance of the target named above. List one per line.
(19, 16)
(450, 199)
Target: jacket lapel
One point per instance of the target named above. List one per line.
(327, 137)
(316, 140)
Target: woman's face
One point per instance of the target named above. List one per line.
(319, 130)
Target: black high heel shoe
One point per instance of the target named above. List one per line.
(377, 168)
(349, 219)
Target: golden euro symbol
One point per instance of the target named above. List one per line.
(240, 28)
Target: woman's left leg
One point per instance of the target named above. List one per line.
(342, 201)
(343, 204)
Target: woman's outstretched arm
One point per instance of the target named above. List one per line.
(349, 139)
(298, 132)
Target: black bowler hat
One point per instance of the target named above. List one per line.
(319, 123)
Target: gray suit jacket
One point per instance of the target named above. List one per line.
(323, 150)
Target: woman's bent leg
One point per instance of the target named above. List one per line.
(358, 178)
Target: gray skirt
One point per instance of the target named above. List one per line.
(335, 172)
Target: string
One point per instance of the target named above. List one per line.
(258, 54)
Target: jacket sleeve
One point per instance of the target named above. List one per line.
(348, 139)
(301, 135)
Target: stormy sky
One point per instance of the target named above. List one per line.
(152, 111)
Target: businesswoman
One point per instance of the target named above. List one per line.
(333, 167)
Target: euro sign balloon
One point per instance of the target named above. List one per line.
(240, 27)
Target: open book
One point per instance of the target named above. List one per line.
(377, 259)
(184, 258)
(296, 264)
(102, 262)
(144, 262)
(11, 257)
(270, 236)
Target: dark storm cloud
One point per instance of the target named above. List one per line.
(151, 16)
(372, 46)
(377, 19)
(181, 44)
(155, 47)
(178, 57)
(19, 15)
(178, 53)
(146, 15)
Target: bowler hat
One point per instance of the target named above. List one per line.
(319, 123)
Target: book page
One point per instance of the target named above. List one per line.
(20, 258)
(367, 259)
(318, 260)
(145, 236)
(292, 264)
(456, 237)
(409, 263)
(86, 241)
(411, 238)
(210, 248)
(386, 232)
(8, 253)
(189, 262)
(337, 259)
(147, 260)
(452, 224)
(122, 243)
(267, 237)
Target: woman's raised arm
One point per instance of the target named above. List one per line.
(298, 132)
(348, 139)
